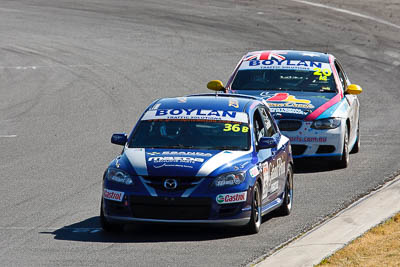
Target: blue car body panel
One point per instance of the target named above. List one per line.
(195, 170)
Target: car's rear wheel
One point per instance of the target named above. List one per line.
(253, 226)
(356, 147)
(287, 202)
(344, 161)
(108, 226)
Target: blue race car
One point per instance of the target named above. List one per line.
(199, 159)
(309, 95)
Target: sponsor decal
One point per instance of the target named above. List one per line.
(182, 99)
(286, 97)
(278, 169)
(288, 110)
(308, 139)
(282, 64)
(291, 105)
(173, 165)
(175, 159)
(266, 179)
(180, 153)
(113, 195)
(231, 198)
(271, 172)
(254, 171)
(286, 63)
(266, 55)
(274, 187)
(195, 114)
(233, 103)
(290, 101)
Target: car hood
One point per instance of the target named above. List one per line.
(291, 104)
(181, 162)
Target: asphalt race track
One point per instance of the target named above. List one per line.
(73, 72)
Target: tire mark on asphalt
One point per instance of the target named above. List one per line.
(34, 67)
(70, 68)
(345, 11)
(18, 240)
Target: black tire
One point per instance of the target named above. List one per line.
(356, 147)
(107, 226)
(253, 226)
(344, 161)
(287, 202)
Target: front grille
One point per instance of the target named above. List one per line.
(168, 208)
(157, 182)
(322, 149)
(289, 125)
(298, 149)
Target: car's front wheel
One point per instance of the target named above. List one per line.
(287, 202)
(344, 161)
(108, 226)
(253, 226)
(356, 147)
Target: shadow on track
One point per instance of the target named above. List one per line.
(314, 165)
(89, 230)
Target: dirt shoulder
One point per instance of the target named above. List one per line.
(378, 247)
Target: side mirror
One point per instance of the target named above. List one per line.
(119, 138)
(215, 85)
(353, 89)
(267, 142)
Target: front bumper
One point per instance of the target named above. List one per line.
(163, 209)
(309, 142)
(234, 222)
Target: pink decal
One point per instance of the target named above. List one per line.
(279, 97)
(323, 107)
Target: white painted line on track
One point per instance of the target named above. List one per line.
(345, 11)
(8, 136)
(54, 66)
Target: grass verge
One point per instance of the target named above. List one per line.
(380, 246)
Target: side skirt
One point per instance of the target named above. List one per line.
(273, 204)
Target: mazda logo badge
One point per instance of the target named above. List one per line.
(170, 184)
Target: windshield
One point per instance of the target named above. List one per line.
(306, 79)
(194, 134)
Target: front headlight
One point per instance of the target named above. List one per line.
(229, 179)
(119, 176)
(330, 123)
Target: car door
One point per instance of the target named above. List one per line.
(272, 161)
(352, 100)
(277, 168)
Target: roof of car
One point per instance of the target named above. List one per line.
(288, 55)
(220, 101)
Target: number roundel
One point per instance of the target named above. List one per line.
(322, 73)
(235, 128)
